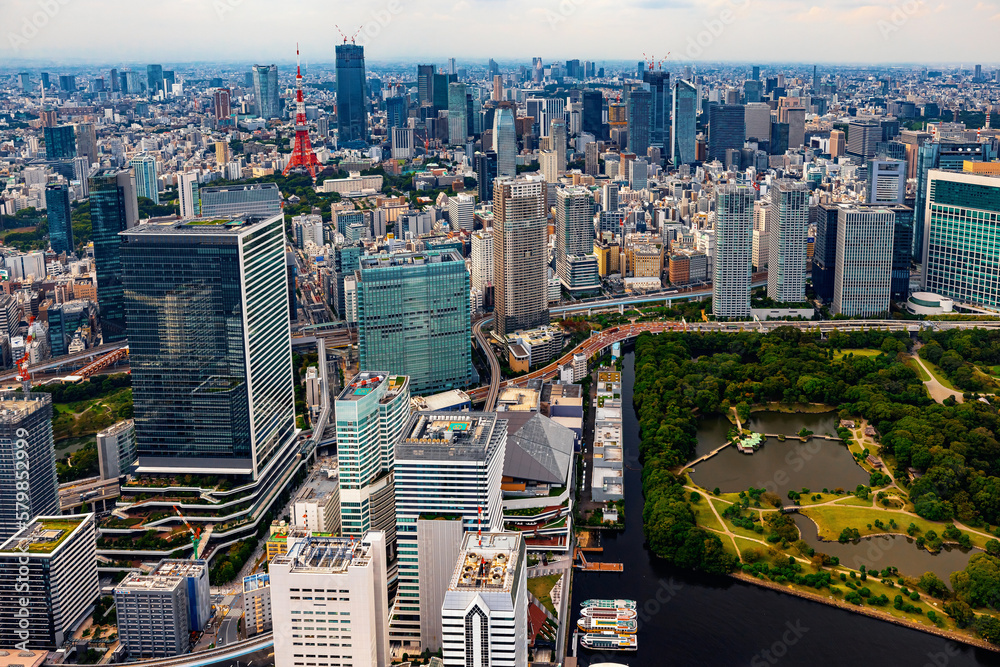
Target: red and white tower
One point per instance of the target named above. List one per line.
(302, 154)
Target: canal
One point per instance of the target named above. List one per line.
(692, 619)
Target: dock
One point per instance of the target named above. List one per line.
(588, 566)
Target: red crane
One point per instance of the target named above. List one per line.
(22, 363)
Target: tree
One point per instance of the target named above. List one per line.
(931, 584)
(978, 585)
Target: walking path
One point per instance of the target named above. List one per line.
(938, 391)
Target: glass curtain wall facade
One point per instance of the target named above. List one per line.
(114, 208)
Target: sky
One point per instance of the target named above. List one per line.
(179, 31)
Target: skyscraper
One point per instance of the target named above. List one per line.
(58, 210)
(726, 129)
(371, 412)
(520, 258)
(733, 252)
(505, 142)
(788, 224)
(886, 181)
(448, 472)
(962, 237)
(824, 261)
(146, 185)
(220, 100)
(640, 114)
(352, 119)
(576, 263)
(24, 78)
(486, 616)
(659, 123)
(425, 84)
(863, 277)
(210, 345)
(395, 112)
(458, 120)
(86, 142)
(60, 142)
(862, 135)
(154, 79)
(265, 91)
(758, 121)
(486, 173)
(413, 318)
(593, 113)
(26, 435)
(779, 138)
(114, 208)
(557, 137)
(188, 195)
(684, 119)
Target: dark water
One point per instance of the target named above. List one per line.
(690, 619)
(881, 551)
(777, 466)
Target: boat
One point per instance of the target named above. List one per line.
(617, 613)
(609, 641)
(609, 604)
(620, 625)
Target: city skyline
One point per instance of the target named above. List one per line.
(876, 32)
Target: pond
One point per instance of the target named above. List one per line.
(881, 551)
(777, 466)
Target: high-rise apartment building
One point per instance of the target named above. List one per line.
(48, 580)
(461, 212)
(413, 318)
(86, 142)
(962, 237)
(458, 120)
(352, 117)
(221, 103)
(210, 346)
(505, 142)
(371, 412)
(726, 129)
(731, 267)
(449, 467)
(863, 278)
(57, 208)
(520, 255)
(26, 444)
(684, 121)
(114, 208)
(576, 263)
(265, 91)
(788, 227)
(484, 615)
(329, 603)
(481, 259)
(146, 183)
(838, 144)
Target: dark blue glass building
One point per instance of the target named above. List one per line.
(114, 208)
(58, 209)
(352, 121)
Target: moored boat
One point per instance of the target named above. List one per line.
(609, 604)
(609, 641)
(620, 613)
(619, 625)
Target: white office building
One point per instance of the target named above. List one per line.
(788, 227)
(402, 143)
(187, 191)
(862, 281)
(449, 467)
(731, 268)
(485, 610)
(329, 603)
(461, 212)
(370, 412)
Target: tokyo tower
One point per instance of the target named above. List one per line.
(302, 155)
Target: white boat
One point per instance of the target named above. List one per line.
(609, 641)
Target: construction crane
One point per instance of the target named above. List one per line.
(353, 37)
(22, 363)
(195, 533)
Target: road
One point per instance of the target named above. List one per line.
(69, 361)
(938, 391)
(495, 373)
(759, 280)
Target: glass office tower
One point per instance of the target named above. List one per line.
(210, 344)
(113, 209)
(352, 123)
(60, 142)
(962, 237)
(144, 167)
(265, 91)
(726, 129)
(684, 119)
(58, 209)
(413, 318)
(640, 113)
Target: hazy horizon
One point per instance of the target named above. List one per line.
(849, 32)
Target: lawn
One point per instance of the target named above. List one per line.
(541, 587)
(704, 516)
(857, 353)
(83, 418)
(854, 501)
(939, 375)
(924, 377)
(832, 519)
